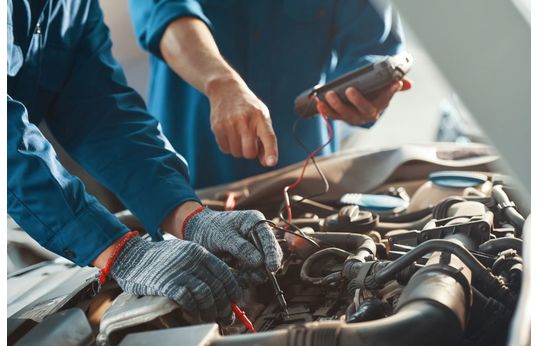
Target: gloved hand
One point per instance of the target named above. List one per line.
(184, 271)
(228, 232)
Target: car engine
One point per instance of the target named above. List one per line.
(436, 260)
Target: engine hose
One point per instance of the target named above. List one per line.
(486, 282)
(407, 217)
(417, 324)
(495, 246)
(360, 245)
(305, 273)
(402, 277)
(384, 227)
(488, 321)
(508, 207)
(440, 210)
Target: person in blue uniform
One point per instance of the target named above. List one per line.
(224, 75)
(61, 71)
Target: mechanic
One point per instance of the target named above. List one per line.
(61, 71)
(239, 60)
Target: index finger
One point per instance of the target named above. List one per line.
(267, 137)
(273, 254)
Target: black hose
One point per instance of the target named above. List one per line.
(361, 246)
(406, 217)
(508, 208)
(495, 246)
(388, 272)
(440, 210)
(358, 244)
(306, 274)
(488, 321)
(390, 226)
(485, 281)
(419, 323)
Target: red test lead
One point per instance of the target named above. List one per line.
(240, 315)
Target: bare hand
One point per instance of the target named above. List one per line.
(241, 123)
(360, 110)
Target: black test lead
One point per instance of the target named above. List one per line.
(279, 294)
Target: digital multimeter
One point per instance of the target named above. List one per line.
(367, 79)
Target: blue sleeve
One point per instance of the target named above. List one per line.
(103, 124)
(49, 203)
(151, 17)
(365, 31)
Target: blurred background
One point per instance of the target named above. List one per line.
(414, 116)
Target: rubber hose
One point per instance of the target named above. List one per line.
(512, 214)
(489, 284)
(495, 246)
(305, 274)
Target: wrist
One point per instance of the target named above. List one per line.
(101, 260)
(173, 223)
(221, 84)
(107, 258)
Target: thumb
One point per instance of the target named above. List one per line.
(406, 85)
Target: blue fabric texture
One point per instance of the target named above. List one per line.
(62, 72)
(280, 48)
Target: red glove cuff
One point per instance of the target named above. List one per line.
(106, 270)
(189, 217)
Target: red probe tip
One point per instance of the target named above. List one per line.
(240, 315)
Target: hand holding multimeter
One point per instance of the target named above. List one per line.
(361, 95)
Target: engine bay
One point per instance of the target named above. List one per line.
(430, 261)
(361, 262)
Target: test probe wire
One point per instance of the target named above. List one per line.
(273, 225)
(318, 169)
(320, 173)
(310, 157)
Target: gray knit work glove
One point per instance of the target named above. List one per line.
(228, 232)
(181, 270)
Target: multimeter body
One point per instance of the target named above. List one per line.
(367, 79)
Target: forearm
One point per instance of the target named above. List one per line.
(49, 203)
(239, 119)
(189, 49)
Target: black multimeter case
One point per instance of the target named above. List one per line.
(367, 79)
